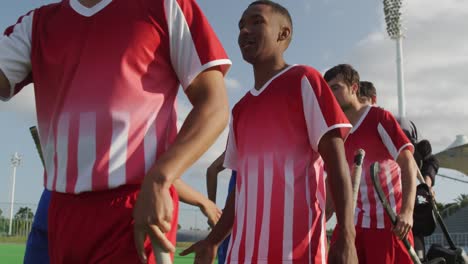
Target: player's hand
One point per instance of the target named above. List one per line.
(211, 211)
(343, 250)
(205, 252)
(153, 215)
(403, 225)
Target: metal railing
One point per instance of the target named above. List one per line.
(460, 239)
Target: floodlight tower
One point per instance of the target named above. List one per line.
(15, 162)
(393, 14)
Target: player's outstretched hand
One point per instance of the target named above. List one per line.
(205, 252)
(403, 225)
(153, 215)
(343, 251)
(211, 211)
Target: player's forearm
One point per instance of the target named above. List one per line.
(224, 226)
(408, 181)
(4, 85)
(331, 149)
(212, 177)
(189, 195)
(329, 208)
(202, 126)
(211, 184)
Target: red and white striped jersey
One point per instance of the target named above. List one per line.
(380, 135)
(280, 189)
(106, 80)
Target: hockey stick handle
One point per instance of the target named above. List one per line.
(356, 173)
(37, 142)
(160, 255)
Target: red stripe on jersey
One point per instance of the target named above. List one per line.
(101, 166)
(275, 247)
(135, 153)
(260, 207)
(302, 213)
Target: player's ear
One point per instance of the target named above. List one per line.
(285, 33)
(355, 88)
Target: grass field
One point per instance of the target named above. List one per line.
(13, 254)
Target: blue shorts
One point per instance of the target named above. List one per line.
(222, 250)
(37, 246)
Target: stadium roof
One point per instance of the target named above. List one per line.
(456, 155)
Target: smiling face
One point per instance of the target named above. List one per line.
(262, 34)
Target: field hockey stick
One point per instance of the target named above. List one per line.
(374, 171)
(161, 256)
(437, 214)
(37, 142)
(356, 173)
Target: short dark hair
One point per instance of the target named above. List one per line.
(350, 75)
(367, 89)
(276, 8)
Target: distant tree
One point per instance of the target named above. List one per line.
(462, 200)
(1, 212)
(179, 226)
(440, 206)
(24, 213)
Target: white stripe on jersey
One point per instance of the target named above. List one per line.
(391, 188)
(240, 213)
(379, 213)
(288, 211)
(387, 140)
(365, 201)
(86, 152)
(316, 124)
(323, 240)
(150, 143)
(62, 151)
(184, 55)
(49, 153)
(267, 192)
(321, 198)
(118, 149)
(251, 219)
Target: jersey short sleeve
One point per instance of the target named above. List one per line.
(392, 135)
(321, 110)
(15, 54)
(230, 157)
(194, 47)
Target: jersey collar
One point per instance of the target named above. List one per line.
(363, 116)
(256, 92)
(88, 11)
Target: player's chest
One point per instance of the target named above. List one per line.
(115, 35)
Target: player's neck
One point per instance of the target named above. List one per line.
(264, 71)
(89, 3)
(354, 111)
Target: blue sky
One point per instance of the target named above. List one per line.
(326, 32)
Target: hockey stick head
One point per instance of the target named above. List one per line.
(359, 157)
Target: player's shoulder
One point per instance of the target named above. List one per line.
(51, 7)
(304, 70)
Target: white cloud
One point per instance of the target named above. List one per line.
(232, 83)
